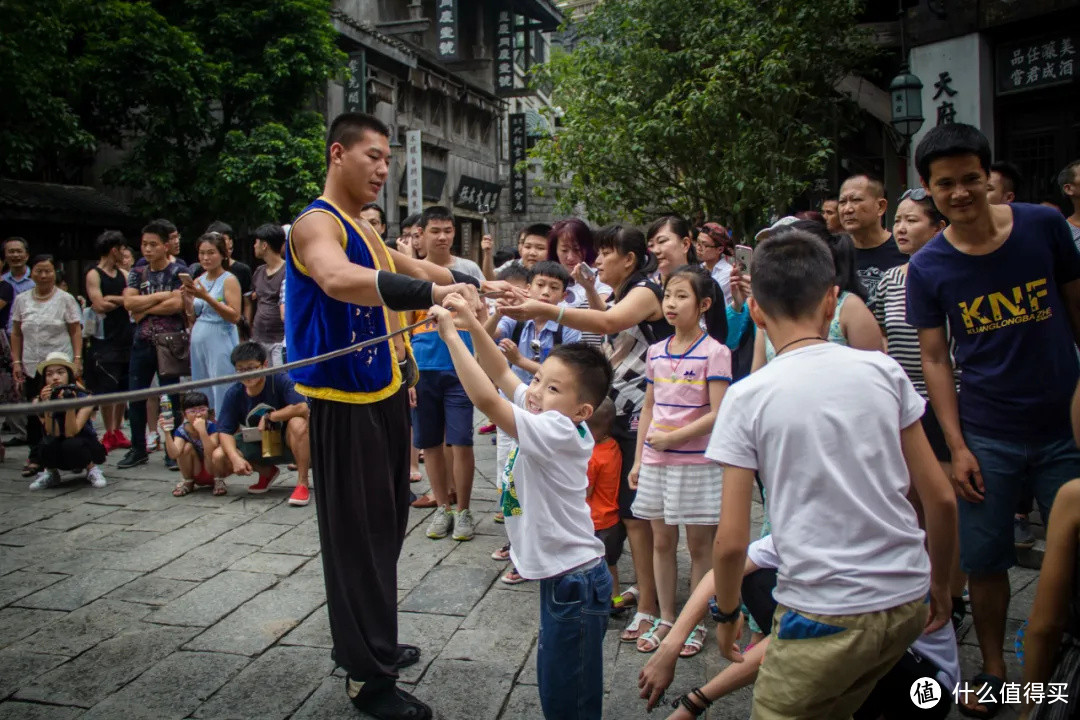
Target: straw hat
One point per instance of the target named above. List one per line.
(57, 358)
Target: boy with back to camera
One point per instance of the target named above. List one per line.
(547, 517)
(605, 469)
(852, 593)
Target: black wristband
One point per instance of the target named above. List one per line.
(401, 292)
(460, 277)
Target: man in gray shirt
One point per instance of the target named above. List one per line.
(264, 308)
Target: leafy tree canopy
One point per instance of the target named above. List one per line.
(724, 107)
(209, 104)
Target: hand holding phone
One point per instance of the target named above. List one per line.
(185, 278)
(743, 255)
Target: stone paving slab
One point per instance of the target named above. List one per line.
(284, 676)
(16, 623)
(13, 710)
(449, 590)
(213, 599)
(205, 561)
(22, 583)
(78, 590)
(85, 627)
(156, 694)
(312, 632)
(21, 665)
(272, 563)
(451, 687)
(258, 623)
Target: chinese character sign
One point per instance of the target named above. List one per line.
(504, 53)
(355, 85)
(518, 198)
(1035, 64)
(446, 28)
(412, 171)
(477, 195)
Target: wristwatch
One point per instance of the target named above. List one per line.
(719, 616)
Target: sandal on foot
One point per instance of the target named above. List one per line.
(634, 626)
(220, 488)
(993, 704)
(513, 577)
(407, 655)
(502, 554)
(690, 701)
(184, 487)
(694, 643)
(415, 476)
(498, 518)
(30, 469)
(628, 597)
(648, 642)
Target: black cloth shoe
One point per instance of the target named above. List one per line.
(407, 655)
(382, 699)
(134, 457)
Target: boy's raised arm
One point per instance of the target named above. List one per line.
(471, 373)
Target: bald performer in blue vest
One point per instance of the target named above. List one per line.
(343, 286)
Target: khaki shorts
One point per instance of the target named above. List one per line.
(825, 666)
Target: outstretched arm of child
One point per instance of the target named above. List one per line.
(939, 507)
(729, 552)
(471, 371)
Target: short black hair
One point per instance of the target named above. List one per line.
(791, 272)
(1067, 176)
(515, 271)
(221, 227)
(161, 228)
(600, 421)
(248, 351)
(1011, 173)
(45, 257)
(551, 269)
(503, 256)
(194, 399)
(348, 127)
(15, 238)
(273, 235)
(872, 181)
(107, 241)
(952, 140)
(376, 206)
(541, 229)
(592, 368)
(435, 212)
(410, 221)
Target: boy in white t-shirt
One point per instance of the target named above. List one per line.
(835, 435)
(547, 517)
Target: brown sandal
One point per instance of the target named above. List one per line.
(184, 487)
(220, 488)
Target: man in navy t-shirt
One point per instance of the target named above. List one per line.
(1003, 280)
(255, 404)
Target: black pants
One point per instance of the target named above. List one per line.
(34, 431)
(73, 453)
(360, 460)
(141, 371)
(890, 698)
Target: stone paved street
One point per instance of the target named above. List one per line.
(127, 602)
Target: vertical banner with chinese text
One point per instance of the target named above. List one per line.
(519, 204)
(413, 171)
(355, 83)
(504, 53)
(446, 29)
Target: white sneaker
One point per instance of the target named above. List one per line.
(152, 441)
(441, 522)
(96, 478)
(45, 479)
(464, 525)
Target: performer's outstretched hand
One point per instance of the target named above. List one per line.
(502, 290)
(439, 293)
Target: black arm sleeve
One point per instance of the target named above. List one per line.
(401, 292)
(463, 278)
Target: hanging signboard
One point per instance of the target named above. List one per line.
(504, 53)
(446, 29)
(412, 171)
(355, 92)
(1035, 64)
(477, 195)
(519, 203)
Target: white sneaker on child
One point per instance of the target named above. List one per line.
(441, 522)
(464, 525)
(96, 478)
(45, 479)
(152, 441)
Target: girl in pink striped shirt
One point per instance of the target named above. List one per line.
(687, 375)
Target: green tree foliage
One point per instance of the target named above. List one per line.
(719, 106)
(208, 104)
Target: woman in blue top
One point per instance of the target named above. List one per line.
(212, 301)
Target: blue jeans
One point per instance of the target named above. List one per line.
(443, 412)
(1009, 468)
(141, 371)
(570, 656)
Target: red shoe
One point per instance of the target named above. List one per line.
(264, 482)
(300, 496)
(109, 442)
(486, 429)
(120, 441)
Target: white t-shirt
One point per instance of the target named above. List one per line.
(721, 273)
(939, 647)
(464, 265)
(554, 532)
(45, 326)
(821, 424)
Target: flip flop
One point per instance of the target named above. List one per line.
(993, 706)
(415, 476)
(634, 626)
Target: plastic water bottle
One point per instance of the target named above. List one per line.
(167, 414)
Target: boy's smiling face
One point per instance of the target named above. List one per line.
(555, 387)
(547, 289)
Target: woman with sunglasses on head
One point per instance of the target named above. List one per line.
(917, 221)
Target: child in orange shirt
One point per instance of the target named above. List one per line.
(602, 494)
